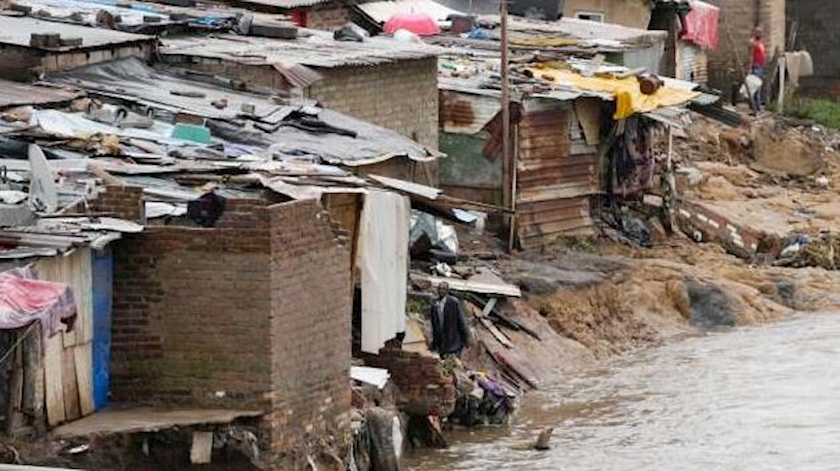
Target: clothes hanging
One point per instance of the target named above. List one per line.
(382, 259)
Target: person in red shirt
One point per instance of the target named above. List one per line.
(758, 56)
(758, 59)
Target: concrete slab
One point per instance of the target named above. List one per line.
(109, 422)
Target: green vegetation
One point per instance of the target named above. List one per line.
(825, 112)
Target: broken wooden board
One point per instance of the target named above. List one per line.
(145, 420)
(471, 285)
(83, 357)
(201, 450)
(415, 339)
(72, 410)
(488, 324)
(588, 111)
(53, 380)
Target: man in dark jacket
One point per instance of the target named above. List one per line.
(450, 333)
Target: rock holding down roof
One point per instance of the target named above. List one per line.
(297, 130)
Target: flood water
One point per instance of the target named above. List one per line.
(760, 398)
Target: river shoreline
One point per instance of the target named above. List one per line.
(617, 403)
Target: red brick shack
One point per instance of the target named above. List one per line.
(226, 317)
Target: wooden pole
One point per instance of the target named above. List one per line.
(506, 154)
(782, 69)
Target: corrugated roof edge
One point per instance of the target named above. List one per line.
(284, 4)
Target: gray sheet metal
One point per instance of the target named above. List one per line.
(17, 32)
(315, 49)
(132, 80)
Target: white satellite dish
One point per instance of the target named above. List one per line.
(43, 193)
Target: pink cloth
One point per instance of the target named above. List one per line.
(420, 24)
(23, 299)
(701, 25)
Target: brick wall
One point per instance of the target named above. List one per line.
(311, 307)
(329, 16)
(423, 386)
(633, 13)
(700, 221)
(738, 19)
(226, 317)
(817, 33)
(401, 96)
(124, 202)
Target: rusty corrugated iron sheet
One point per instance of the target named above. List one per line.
(463, 113)
(19, 94)
(554, 178)
(545, 221)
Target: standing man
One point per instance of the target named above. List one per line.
(758, 60)
(450, 333)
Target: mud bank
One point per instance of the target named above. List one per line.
(613, 299)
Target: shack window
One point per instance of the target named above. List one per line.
(591, 16)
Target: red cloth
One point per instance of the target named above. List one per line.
(420, 24)
(759, 54)
(701, 25)
(24, 299)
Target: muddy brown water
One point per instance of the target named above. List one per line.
(760, 398)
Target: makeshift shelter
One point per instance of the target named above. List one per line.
(581, 135)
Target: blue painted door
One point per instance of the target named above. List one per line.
(103, 288)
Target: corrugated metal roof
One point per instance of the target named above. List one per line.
(131, 80)
(285, 4)
(17, 32)
(580, 29)
(381, 12)
(19, 94)
(316, 49)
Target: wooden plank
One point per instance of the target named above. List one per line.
(202, 447)
(53, 380)
(72, 411)
(488, 324)
(83, 356)
(14, 411)
(588, 112)
(501, 289)
(33, 378)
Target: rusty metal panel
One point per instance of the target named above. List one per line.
(541, 223)
(553, 183)
(462, 113)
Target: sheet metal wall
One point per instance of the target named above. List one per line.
(556, 174)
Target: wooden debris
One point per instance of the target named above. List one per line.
(500, 289)
(488, 324)
(202, 448)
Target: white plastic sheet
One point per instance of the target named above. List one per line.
(383, 261)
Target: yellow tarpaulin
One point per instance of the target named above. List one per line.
(628, 97)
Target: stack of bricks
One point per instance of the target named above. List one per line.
(424, 387)
(228, 317)
(124, 202)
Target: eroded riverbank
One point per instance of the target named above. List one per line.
(760, 397)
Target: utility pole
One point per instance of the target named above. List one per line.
(508, 163)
